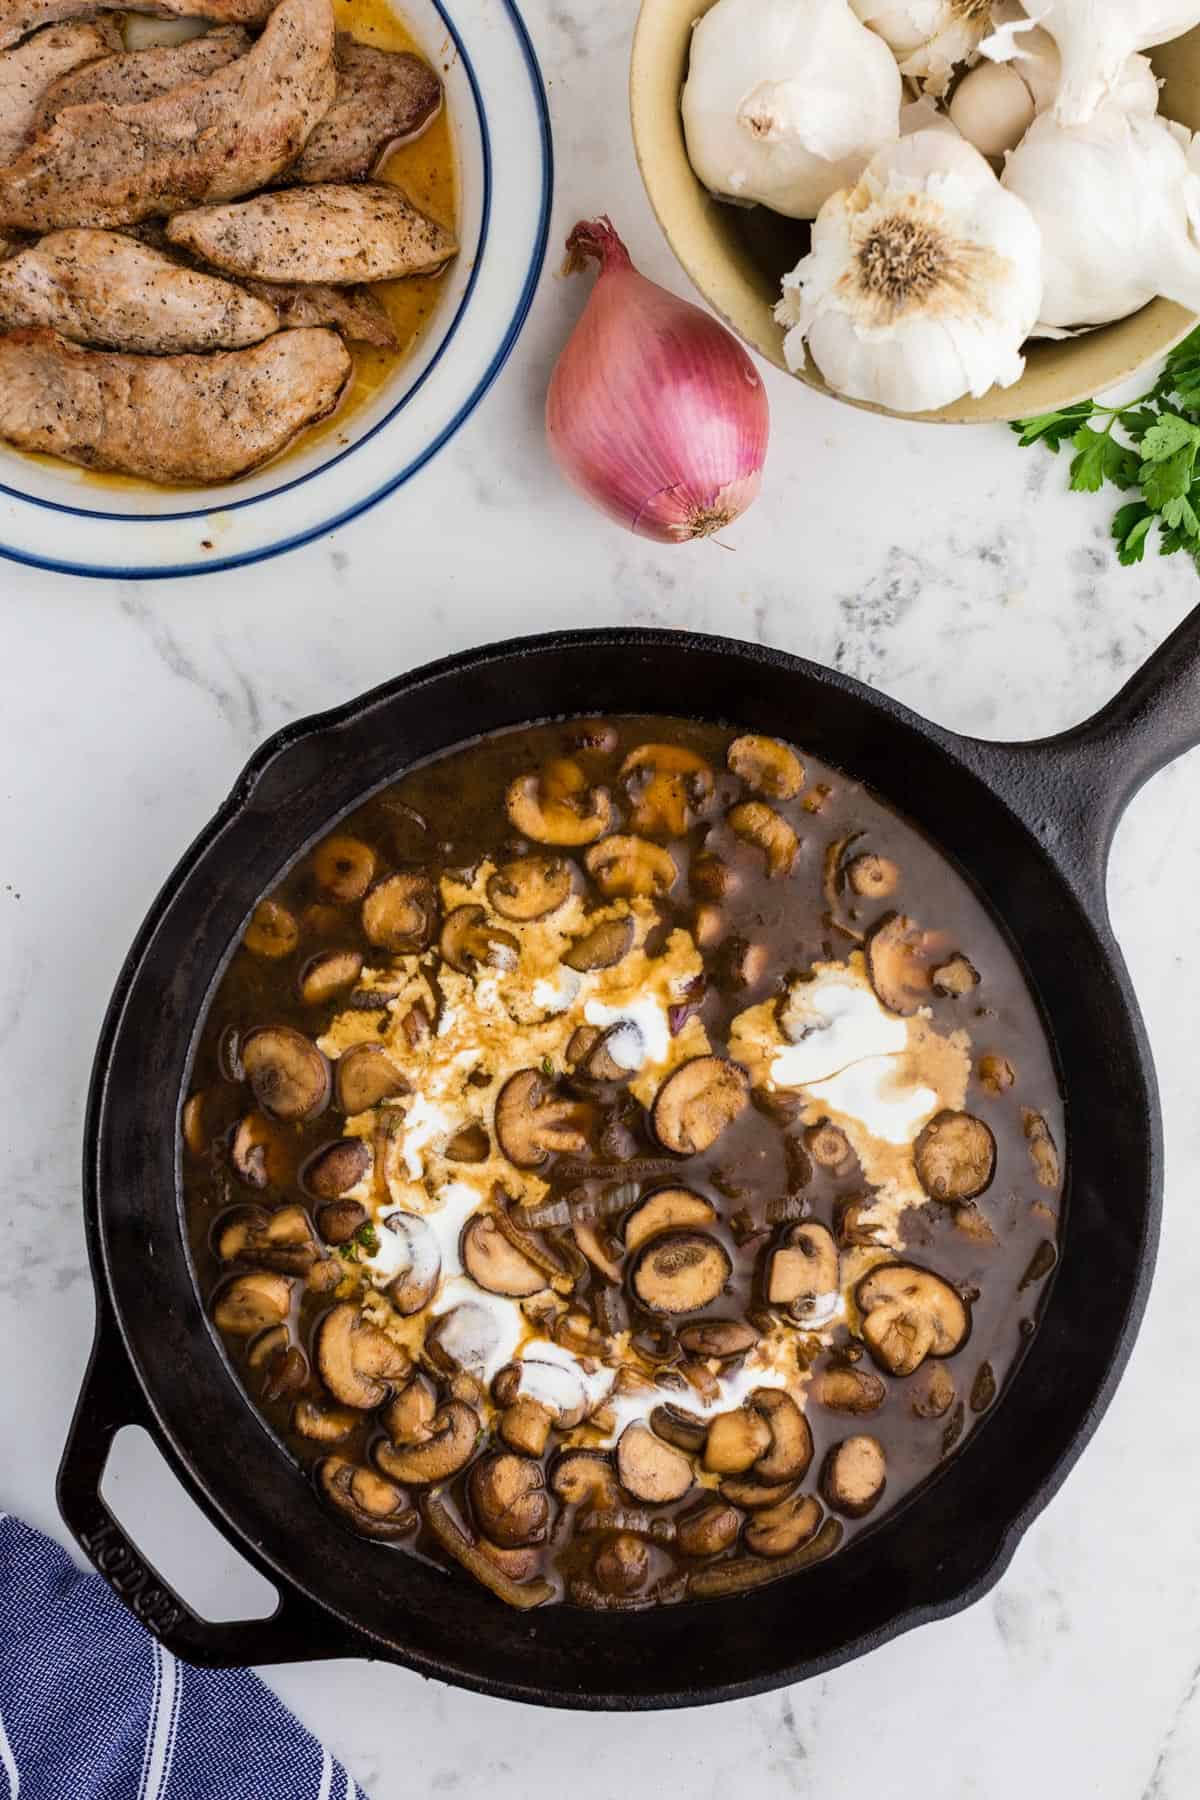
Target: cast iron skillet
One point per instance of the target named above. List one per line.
(1030, 824)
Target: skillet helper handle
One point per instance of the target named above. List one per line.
(111, 1398)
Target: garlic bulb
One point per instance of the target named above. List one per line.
(929, 37)
(1118, 203)
(1095, 39)
(923, 281)
(786, 101)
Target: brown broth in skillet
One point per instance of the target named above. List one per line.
(624, 1160)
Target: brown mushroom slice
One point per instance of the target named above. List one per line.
(252, 1303)
(743, 1490)
(680, 1272)
(371, 1503)
(557, 806)
(496, 1265)
(333, 1171)
(344, 867)
(766, 766)
(268, 1345)
(900, 959)
(740, 1574)
(791, 1447)
(723, 1339)
(735, 1442)
(758, 824)
(955, 1157)
(955, 978)
(602, 947)
(872, 877)
(323, 1424)
(625, 867)
(857, 1226)
(621, 1564)
(529, 887)
(584, 1478)
(470, 1145)
(464, 1338)
(477, 1562)
(778, 1530)
(453, 1434)
(829, 1147)
(697, 1102)
(192, 1124)
(687, 1431)
(398, 913)
(338, 1221)
(1042, 1148)
(594, 1245)
(531, 1121)
(280, 1240)
(803, 1273)
(666, 1210)
(707, 1529)
(414, 1284)
(284, 1374)
(667, 786)
(649, 1469)
(525, 1426)
(996, 1074)
(409, 1414)
(272, 932)
(854, 1476)
(509, 1500)
(933, 1392)
(364, 1076)
(469, 942)
(288, 1074)
(848, 1390)
(328, 974)
(910, 1313)
(359, 1363)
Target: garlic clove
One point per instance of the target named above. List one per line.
(923, 281)
(1095, 39)
(993, 108)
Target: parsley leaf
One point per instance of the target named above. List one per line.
(1053, 428)
(368, 1237)
(1101, 458)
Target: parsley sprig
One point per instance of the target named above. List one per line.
(1162, 427)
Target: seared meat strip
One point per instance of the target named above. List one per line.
(167, 418)
(19, 17)
(382, 96)
(97, 287)
(225, 134)
(28, 70)
(356, 312)
(328, 233)
(136, 75)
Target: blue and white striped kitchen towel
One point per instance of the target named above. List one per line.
(93, 1708)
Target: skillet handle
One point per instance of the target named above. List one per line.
(111, 1397)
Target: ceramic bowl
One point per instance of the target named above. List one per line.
(736, 256)
(57, 517)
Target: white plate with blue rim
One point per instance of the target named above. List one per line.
(53, 516)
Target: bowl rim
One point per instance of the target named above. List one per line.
(512, 330)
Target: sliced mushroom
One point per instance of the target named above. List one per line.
(584, 1478)
(621, 1564)
(711, 877)
(1041, 1148)
(252, 1303)
(328, 974)
(496, 1265)
(856, 1225)
(453, 1434)
(465, 1338)
(413, 1285)
(735, 1441)
(803, 1272)
(708, 1528)
(766, 766)
(845, 1389)
(285, 1373)
(364, 1076)
(854, 1476)
(666, 1210)
(829, 1147)
(323, 1424)
(723, 1339)
(743, 1490)
(602, 947)
(338, 1221)
(359, 1363)
(367, 1501)
(469, 942)
(760, 825)
(344, 867)
(625, 867)
(195, 1132)
(337, 1168)
(272, 932)
(398, 913)
(739, 1575)
(872, 877)
(525, 1426)
(955, 1157)
(667, 786)
(649, 1469)
(900, 957)
(531, 1121)
(956, 977)
(287, 1072)
(910, 1313)
(778, 1530)
(681, 1271)
(687, 1431)
(509, 1500)
(470, 1145)
(595, 1245)
(408, 1416)
(529, 887)
(267, 1346)
(612, 1056)
(696, 1103)
(558, 806)
(791, 1447)
(996, 1074)
(483, 1564)
(280, 1240)
(933, 1392)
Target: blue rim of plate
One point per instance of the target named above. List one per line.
(503, 351)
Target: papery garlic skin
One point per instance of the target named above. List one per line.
(786, 101)
(923, 281)
(1095, 39)
(1117, 200)
(930, 38)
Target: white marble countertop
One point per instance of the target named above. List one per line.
(949, 569)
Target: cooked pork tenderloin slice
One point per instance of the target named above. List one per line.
(383, 97)
(19, 17)
(356, 312)
(98, 287)
(176, 419)
(329, 233)
(30, 68)
(133, 76)
(224, 134)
